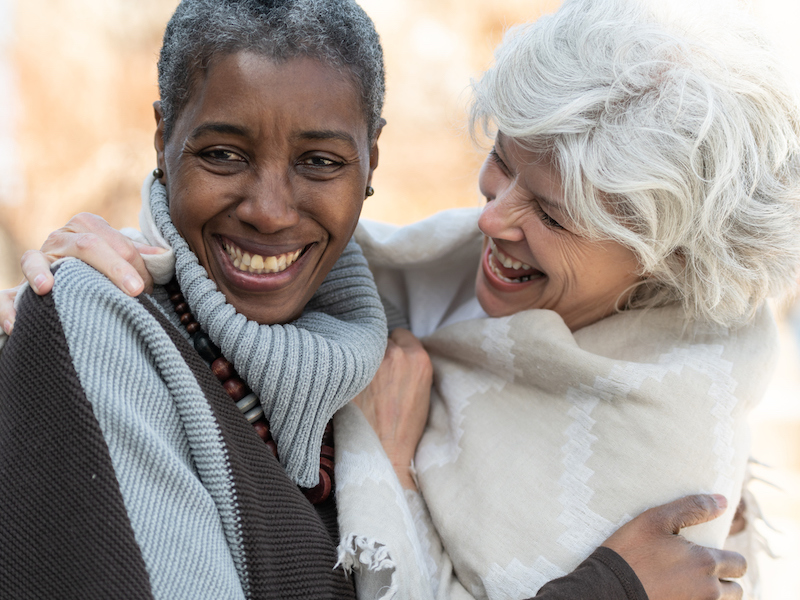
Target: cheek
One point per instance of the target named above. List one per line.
(188, 221)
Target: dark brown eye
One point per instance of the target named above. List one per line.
(223, 155)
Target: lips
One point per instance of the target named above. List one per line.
(257, 263)
(507, 269)
(267, 273)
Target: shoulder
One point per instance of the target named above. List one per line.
(86, 301)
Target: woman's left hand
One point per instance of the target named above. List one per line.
(7, 311)
(667, 564)
(396, 402)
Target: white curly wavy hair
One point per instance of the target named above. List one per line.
(677, 137)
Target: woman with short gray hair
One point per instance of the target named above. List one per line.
(167, 478)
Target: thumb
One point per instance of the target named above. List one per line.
(688, 511)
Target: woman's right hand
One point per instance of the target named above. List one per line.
(91, 239)
(669, 566)
(396, 402)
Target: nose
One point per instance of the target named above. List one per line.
(502, 217)
(270, 202)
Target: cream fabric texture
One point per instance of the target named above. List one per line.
(540, 442)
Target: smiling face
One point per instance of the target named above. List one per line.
(532, 256)
(266, 169)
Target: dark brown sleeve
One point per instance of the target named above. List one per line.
(603, 576)
(64, 530)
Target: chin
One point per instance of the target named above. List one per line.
(490, 303)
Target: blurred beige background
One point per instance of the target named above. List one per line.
(77, 80)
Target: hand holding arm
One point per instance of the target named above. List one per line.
(667, 565)
(91, 239)
(396, 402)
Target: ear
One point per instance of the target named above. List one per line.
(373, 151)
(159, 137)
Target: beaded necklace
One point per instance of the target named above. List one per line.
(246, 401)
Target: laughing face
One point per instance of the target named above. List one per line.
(532, 256)
(266, 169)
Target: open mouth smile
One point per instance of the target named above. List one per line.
(509, 270)
(248, 262)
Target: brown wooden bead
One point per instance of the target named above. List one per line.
(236, 388)
(326, 465)
(320, 492)
(193, 327)
(273, 447)
(326, 452)
(177, 299)
(187, 318)
(181, 308)
(262, 429)
(222, 369)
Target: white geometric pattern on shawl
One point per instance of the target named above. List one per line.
(564, 436)
(302, 372)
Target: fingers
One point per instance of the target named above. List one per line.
(146, 249)
(687, 511)
(89, 238)
(7, 313)
(730, 590)
(729, 565)
(406, 342)
(36, 269)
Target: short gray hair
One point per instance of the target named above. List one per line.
(337, 32)
(680, 140)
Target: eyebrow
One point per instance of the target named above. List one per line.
(217, 127)
(328, 134)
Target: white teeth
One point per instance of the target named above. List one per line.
(497, 257)
(506, 261)
(260, 264)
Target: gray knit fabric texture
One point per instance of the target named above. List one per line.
(302, 372)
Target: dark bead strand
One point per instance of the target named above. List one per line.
(240, 393)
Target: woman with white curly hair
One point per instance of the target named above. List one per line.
(643, 201)
(642, 204)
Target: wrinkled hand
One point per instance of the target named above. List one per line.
(7, 312)
(669, 566)
(91, 239)
(396, 402)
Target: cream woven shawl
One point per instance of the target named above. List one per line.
(541, 442)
